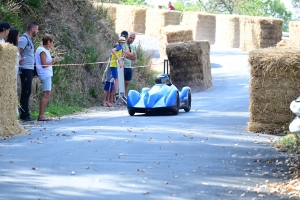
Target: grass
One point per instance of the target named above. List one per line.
(58, 110)
(290, 143)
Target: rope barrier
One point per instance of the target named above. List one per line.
(94, 63)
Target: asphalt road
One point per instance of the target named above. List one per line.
(204, 154)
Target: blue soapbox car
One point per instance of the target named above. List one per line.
(163, 97)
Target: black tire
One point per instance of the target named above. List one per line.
(131, 113)
(189, 103)
(175, 112)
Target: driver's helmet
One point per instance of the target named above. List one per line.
(162, 79)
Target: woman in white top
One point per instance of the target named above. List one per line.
(44, 62)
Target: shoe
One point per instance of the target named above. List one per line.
(43, 118)
(28, 119)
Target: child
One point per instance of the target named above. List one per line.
(108, 89)
(117, 55)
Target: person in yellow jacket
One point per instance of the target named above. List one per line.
(117, 59)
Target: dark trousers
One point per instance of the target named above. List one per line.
(26, 83)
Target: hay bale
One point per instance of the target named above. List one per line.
(274, 85)
(190, 64)
(173, 34)
(259, 32)
(9, 125)
(202, 24)
(228, 31)
(157, 18)
(111, 10)
(294, 29)
(131, 18)
(287, 44)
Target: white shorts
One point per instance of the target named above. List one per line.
(47, 83)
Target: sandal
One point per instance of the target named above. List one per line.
(105, 105)
(43, 118)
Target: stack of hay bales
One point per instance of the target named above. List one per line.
(111, 10)
(259, 32)
(274, 85)
(228, 31)
(9, 124)
(190, 64)
(202, 24)
(173, 34)
(131, 18)
(157, 18)
(294, 29)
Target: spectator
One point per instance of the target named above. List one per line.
(124, 34)
(108, 89)
(26, 49)
(4, 30)
(159, 6)
(116, 59)
(13, 38)
(44, 64)
(130, 55)
(170, 6)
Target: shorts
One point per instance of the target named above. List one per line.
(108, 86)
(127, 74)
(114, 72)
(47, 83)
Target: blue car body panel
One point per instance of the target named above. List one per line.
(159, 98)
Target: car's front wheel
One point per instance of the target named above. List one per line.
(131, 113)
(176, 111)
(189, 103)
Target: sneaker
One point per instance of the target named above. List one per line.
(27, 119)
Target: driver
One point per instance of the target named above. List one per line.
(162, 79)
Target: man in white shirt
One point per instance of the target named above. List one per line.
(4, 30)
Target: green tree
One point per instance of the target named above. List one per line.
(133, 2)
(183, 5)
(266, 8)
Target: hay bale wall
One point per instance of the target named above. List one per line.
(294, 29)
(9, 125)
(111, 10)
(173, 34)
(202, 24)
(228, 31)
(274, 85)
(131, 18)
(259, 32)
(157, 19)
(190, 64)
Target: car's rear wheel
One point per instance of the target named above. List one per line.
(131, 113)
(176, 111)
(189, 103)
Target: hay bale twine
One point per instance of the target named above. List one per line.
(228, 31)
(9, 125)
(157, 18)
(294, 29)
(172, 34)
(259, 32)
(131, 18)
(274, 85)
(202, 24)
(190, 64)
